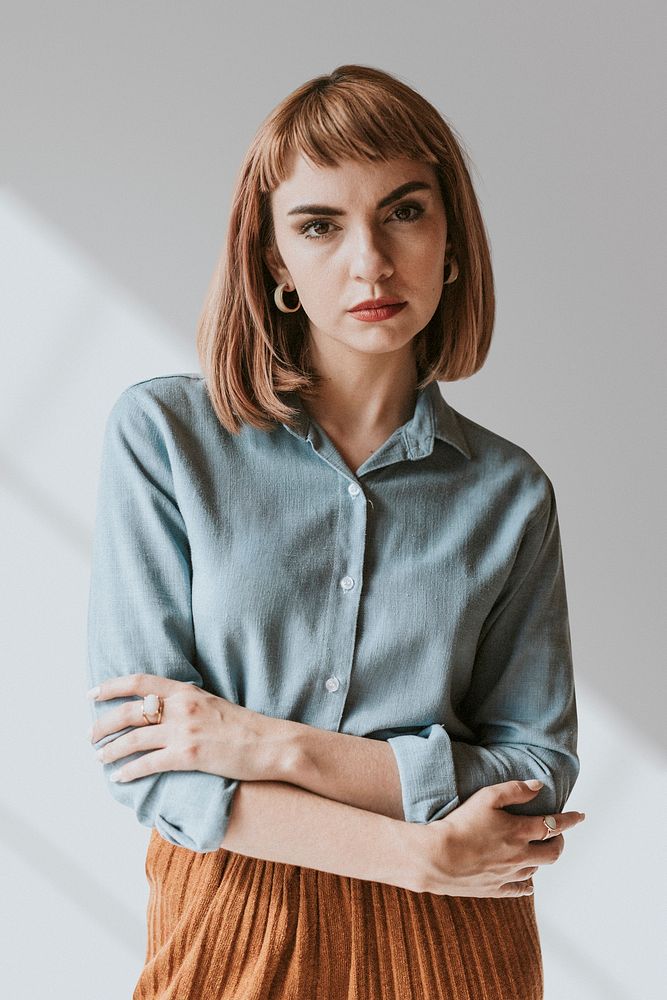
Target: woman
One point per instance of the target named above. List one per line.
(327, 623)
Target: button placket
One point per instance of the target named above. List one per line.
(345, 600)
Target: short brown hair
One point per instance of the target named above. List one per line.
(251, 353)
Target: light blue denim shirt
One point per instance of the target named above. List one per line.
(419, 599)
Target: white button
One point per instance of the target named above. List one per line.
(353, 490)
(332, 684)
(347, 583)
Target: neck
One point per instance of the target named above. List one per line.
(363, 402)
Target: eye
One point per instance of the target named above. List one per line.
(305, 229)
(413, 218)
(314, 236)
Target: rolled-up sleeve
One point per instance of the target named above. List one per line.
(140, 616)
(521, 702)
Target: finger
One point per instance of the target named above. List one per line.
(517, 888)
(129, 684)
(136, 741)
(545, 852)
(564, 821)
(115, 719)
(525, 873)
(507, 793)
(150, 763)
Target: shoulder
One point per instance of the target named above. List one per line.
(505, 470)
(168, 404)
(165, 393)
(164, 418)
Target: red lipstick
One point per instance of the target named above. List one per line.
(375, 310)
(384, 300)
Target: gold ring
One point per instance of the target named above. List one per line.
(152, 705)
(550, 824)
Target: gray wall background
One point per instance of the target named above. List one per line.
(124, 125)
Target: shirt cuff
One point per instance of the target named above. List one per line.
(209, 805)
(187, 808)
(426, 769)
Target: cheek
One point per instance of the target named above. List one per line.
(437, 278)
(427, 271)
(424, 253)
(432, 250)
(320, 287)
(426, 278)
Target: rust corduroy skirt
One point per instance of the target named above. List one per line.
(223, 925)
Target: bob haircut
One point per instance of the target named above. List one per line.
(252, 354)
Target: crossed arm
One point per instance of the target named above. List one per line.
(351, 769)
(281, 822)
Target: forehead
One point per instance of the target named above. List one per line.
(347, 179)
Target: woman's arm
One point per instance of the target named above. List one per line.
(480, 850)
(140, 612)
(349, 769)
(280, 822)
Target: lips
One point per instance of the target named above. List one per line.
(385, 300)
(377, 315)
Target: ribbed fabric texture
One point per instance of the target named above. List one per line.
(223, 925)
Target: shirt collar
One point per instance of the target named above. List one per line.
(433, 417)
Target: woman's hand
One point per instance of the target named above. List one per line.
(198, 732)
(481, 850)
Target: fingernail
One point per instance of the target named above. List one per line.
(582, 815)
(93, 693)
(534, 783)
(116, 776)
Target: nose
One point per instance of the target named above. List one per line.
(370, 261)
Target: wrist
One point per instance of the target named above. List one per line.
(283, 749)
(435, 845)
(421, 842)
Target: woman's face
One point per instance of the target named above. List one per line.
(347, 234)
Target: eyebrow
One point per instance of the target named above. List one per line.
(387, 200)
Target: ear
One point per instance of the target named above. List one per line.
(275, 264)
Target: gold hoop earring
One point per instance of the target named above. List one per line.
(278, 297)
(453, 272)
